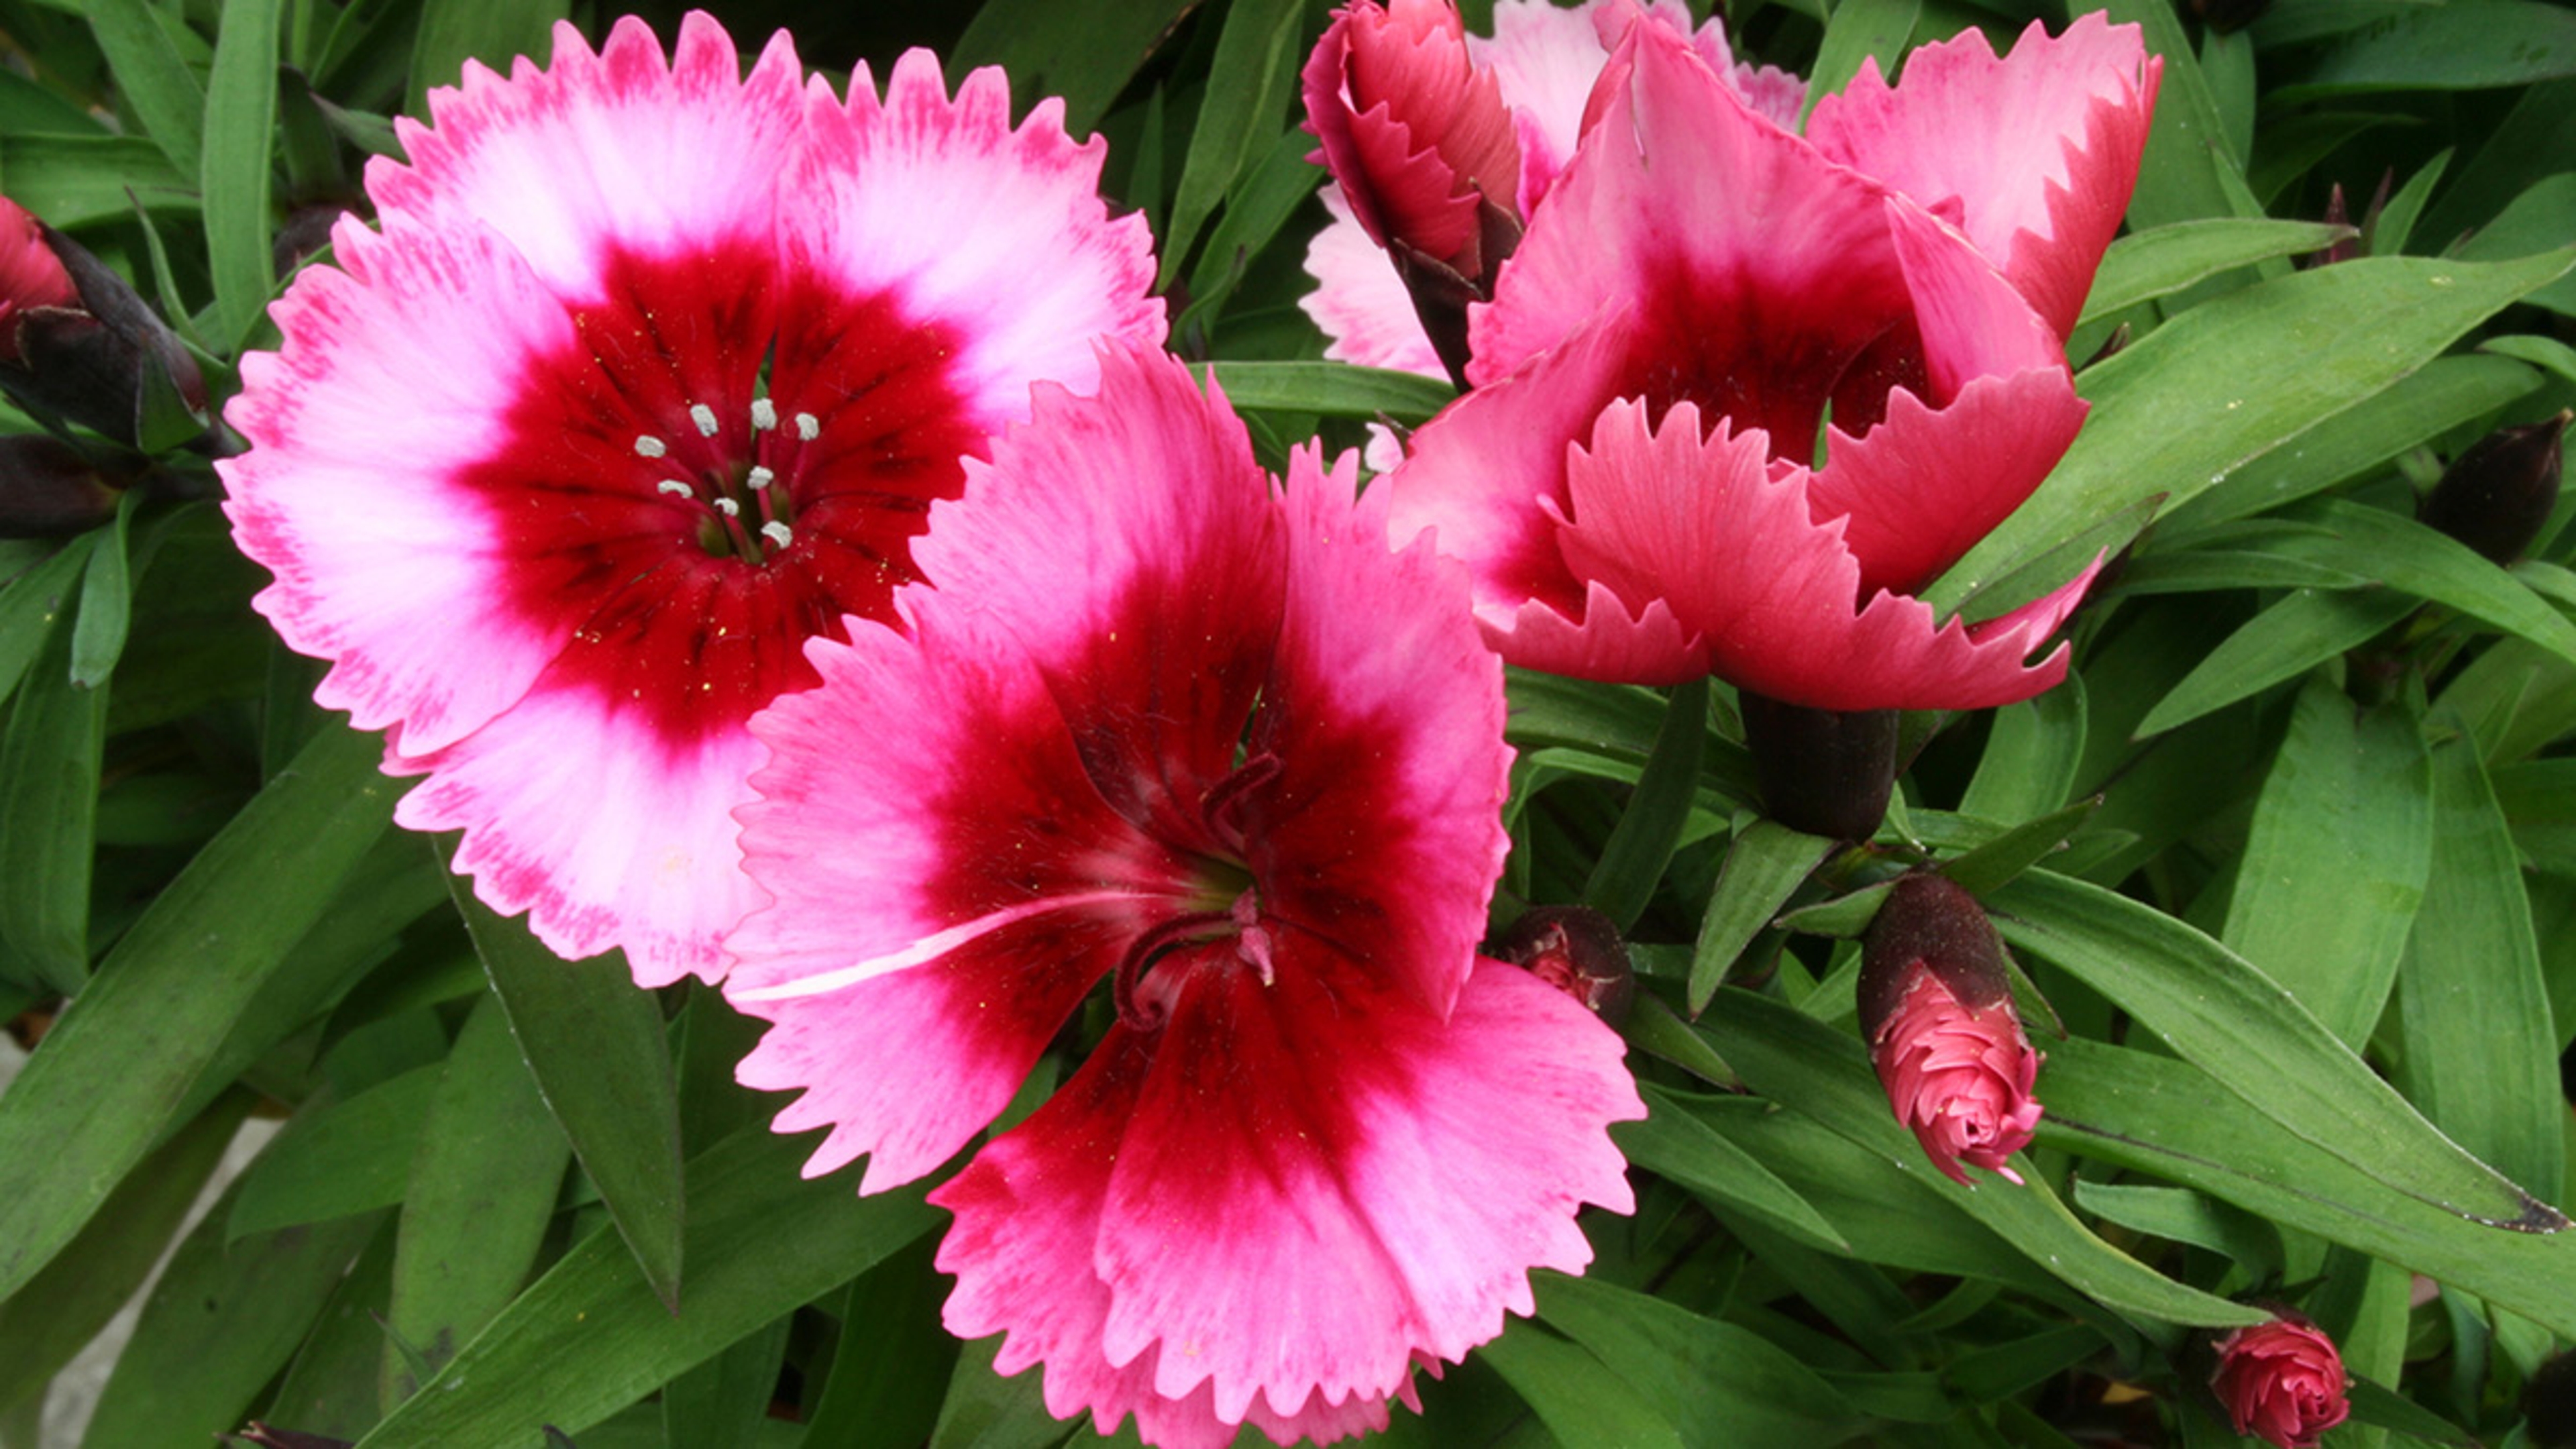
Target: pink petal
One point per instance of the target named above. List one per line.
(606, 152)
(598, 824)
(2036, 151)
(1359, 301)
(1319, 1181)
(995, 233)
(1387, 704)
(1705, 525)
(944, 886)
(398, 575)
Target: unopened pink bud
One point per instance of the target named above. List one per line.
(31, 277)
(2281, 1381)
(1578, 951)
(1943, 1034)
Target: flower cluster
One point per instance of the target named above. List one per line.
(765, 519)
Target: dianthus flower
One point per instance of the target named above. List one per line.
(1161, 723)
(651, 375)
(1943, 1035)
(1738, 400)
(2282, 1381)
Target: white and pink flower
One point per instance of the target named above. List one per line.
(1164, 723)
(651, 375)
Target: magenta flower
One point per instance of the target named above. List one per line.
(31, 276)
(651, 375)
(2282, 1381)
(1702, 305)
(1943, 1034)
(1163, 724)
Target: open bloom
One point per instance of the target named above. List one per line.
(1162, 724)
(1943, 1034)
(2282, 1381)
(1738, 401)
(651, 375)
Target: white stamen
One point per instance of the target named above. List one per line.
(764, 415)
(675, 488)
(930, 947)
(808, 426)
(777, 533)
(648, 446)
(727, 507)
(704, 417)
(759, 478)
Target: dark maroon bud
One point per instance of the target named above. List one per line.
(49, 490)
(1826, 772)
(99, 357)
(2549, 1403)
(2339, 213)
(1577, 950)
(268, 1437)
(1943, 1034)
(2496, 495)
(2227, 15)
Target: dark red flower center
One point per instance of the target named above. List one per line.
(732, 459)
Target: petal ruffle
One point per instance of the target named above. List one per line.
(996, 233)
(604, 152)
(2034, 153)
(1706, 525)
(412, 350)
(944, 886)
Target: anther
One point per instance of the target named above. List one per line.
(675, 488)
(727, 507)
(648, 446)
(704, 417)
(758, 478)
(779, 534)
(808, 426)
(764, 415)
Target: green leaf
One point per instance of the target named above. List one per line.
(2481, 1053)
(2536, 221)
(2180, 1215)
(2305, 629)
(1997, 1372)
(219, 1325)
(2444, 394)
(44, 1324)
(2396, 223)
(986, 1411)
(2002, 859)
(1083, 50)
(1333, 390)
(29, 605)
(2407, 555)
(2168, 258)
(1579, 1398)
(597, 1049)
(120, 1063)
(723, 1402)
(1765, 865)
(494, 32)
(1640, 846)
(107, 600)
(2543, 352)
(892, 1365)
(591, 1337)
(241, 121)
(2180, 410)
(2149, 1112)
(1818, 1072)
(336, 1158)
(2187, 171)
(1253, 215)
(2471, 45)
(1716, 1382)
(330, 1388)
(483, 1186)
(152, 78)
(81, 181)
(2334, 865)
(2031, 755)
(1255, 66)
(49, 768)
(1859, 31)
(2237, 1024)
(1676, 1145)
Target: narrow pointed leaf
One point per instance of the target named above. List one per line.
(1579, 1398)
(1717, 1382)
(2301, 631)
(2169, 258)
(2031, 755)
(2238, 1025)
(50, 754)
(1640, 846)
(1681, 1147)
(241, 112)
(1082, 50)
(1333, 390)
(1764, 866)
(336, 1158)
(596, 1047)
(152, 78)
(1247, 90)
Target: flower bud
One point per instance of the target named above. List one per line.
(2496, 495)
(1826, 772)
(1942, 1031)
(2281, 1381)
(1417, 137)
(77, 342)
(1577, 950)
(48, 490)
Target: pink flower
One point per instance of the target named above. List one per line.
(1942, 1031)
(30, 276)
(2282, 1381)
(1703, 304)
(651, 375)
(1164, 724)
(1540, 64)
